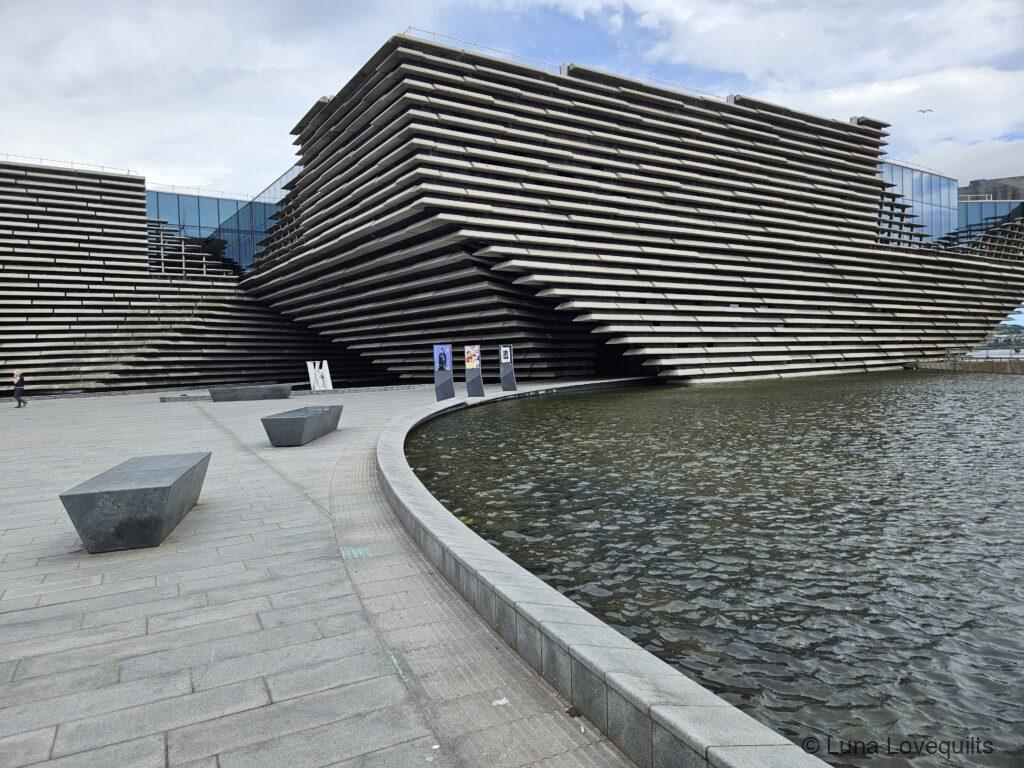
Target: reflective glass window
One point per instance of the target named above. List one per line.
(228, 208)
(918, 185)
(188, 213)
(168, 205)
(209, 217)
(926, 187)
(152, 207)
(973, 213)
(244, 220)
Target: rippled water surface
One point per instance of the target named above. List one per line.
(839, 557)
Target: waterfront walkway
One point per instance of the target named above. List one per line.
(288, 621)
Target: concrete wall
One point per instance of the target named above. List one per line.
(449, 196)
(86, 304)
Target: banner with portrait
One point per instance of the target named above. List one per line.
(442, 357)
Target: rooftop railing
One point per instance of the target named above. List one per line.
(30, 160)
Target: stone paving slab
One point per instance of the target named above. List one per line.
(288, 620)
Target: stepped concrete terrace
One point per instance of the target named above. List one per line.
(288, 620)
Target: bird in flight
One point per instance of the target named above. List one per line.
(922, 111)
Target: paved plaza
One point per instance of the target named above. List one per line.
(287, 621)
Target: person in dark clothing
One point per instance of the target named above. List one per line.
(19, 389)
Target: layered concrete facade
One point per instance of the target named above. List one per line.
(601, 225)
(95, 297)
(592, 219)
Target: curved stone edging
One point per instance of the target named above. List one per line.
(656, 715)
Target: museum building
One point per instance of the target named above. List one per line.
(599, 224)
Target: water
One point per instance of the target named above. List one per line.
(838, 557)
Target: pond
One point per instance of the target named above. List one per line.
(839, 557)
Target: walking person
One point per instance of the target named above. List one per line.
(19, 388)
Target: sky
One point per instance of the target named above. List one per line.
(204, 94)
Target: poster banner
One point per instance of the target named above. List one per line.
(442, 357)
(506, 370)
(474, 373)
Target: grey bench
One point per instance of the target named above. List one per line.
(251, 392)
(302, 425)
(138, 503)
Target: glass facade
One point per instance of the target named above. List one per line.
(245, 231)
(977, 216)
(224, 226)
(931, 196)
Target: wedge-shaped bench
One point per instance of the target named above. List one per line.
(251, 392)
(302, 425)
(138, 503)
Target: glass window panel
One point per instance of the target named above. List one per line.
(188, 214)
(168, 204)
(918, 181)
(973, 211)
(228, 208)
(209, 217)
(988, 213)
(152, 207)
(926, 187)
(245, 217)
(188, 210)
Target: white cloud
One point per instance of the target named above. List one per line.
(810, 43)
(204, 92)
(195, 92)
(975, 109)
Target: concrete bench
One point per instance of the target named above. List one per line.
(302, 425)
(251, 392)
(138, 503)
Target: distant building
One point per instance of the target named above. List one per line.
(1008, 188)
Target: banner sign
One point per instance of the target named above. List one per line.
(472, 357)
(442, 357)
(506, 370)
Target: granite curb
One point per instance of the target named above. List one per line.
(656, 715)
